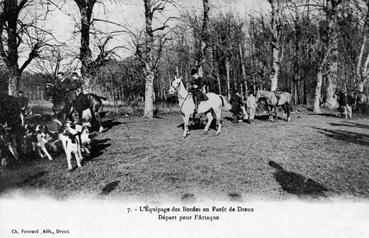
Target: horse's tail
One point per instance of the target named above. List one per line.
(225, 104)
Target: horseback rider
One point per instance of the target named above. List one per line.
(196, 89)
(70, 85)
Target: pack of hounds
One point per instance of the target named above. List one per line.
(39, 140)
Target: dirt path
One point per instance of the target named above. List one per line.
(317, 156)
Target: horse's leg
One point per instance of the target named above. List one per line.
(288, 112)
(98, 119)
(218, 118)
(186, 119)
(270, 113)
(210, 119)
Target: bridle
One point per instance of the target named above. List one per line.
(176, 89)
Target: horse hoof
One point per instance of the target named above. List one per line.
(217, 133)
(101, 129)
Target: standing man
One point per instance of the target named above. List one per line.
(251, 107)
(23, 104)
(273, 88)
(236, 102)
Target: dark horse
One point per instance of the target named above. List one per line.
(63, 105)
(271, 101)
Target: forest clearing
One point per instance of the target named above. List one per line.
(313, 156)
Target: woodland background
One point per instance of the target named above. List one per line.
(312, 48)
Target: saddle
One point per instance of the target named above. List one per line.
(200, 95)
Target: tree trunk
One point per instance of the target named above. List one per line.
(204, 45)
(85, 9)
(149, 64)
(318, 91)
(14, 80)
(149, 93)
(332, 77)
(243, 71)
(275, 45)
(218, 78)
(331, 89)
(228, 66)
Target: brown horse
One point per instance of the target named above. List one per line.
(272, 102)
(64, 106)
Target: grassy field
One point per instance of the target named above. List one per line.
(313, 156)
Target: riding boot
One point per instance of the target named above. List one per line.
(196, 106)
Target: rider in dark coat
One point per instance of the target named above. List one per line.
(70, 85)
(196, 86)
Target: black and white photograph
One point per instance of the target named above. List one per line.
(184, 118)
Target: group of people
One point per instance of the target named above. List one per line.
(247, 106)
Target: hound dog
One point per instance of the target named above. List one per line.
(71, 141)
(85, 137)
(36, 139)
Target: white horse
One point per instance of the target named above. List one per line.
(212, 107)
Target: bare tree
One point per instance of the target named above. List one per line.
(276, 43)
(327, 51)
(362, 65)
(54, 59)
(90, 66)
(18, 34)
(203, 51)
(150, 51)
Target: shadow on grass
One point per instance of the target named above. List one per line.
(98, 147)
(28, 181)
(109, 188)
(297, 184)
(108, 124)
(188, 197)
(34, 177)
(235, 197)
(351, 124)
(324, 115)
(198, 125)
(347, 136)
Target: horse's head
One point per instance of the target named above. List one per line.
(175, 85)
(50, 90)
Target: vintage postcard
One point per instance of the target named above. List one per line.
(184, 118)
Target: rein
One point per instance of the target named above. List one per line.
(179, 95)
